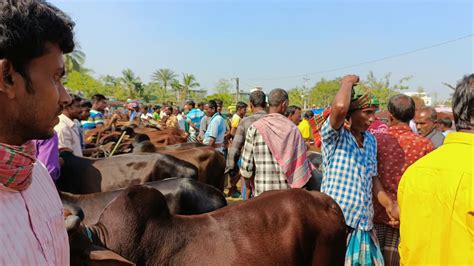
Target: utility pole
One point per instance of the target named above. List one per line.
(305, 92)
(237, 89)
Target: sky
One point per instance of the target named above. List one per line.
(278, 43)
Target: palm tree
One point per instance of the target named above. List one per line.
(189, 82)
(131, 82)
(164, 77)
(74, 61)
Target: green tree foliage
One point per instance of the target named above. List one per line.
(227, 98)
(189, 82)
(383, 89)
(222, 86)
(164, 77)
(296, 96)
(322, 94)
(131, 83)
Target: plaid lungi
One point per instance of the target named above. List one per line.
(363, 249)
(389, 239)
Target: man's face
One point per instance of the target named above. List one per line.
(424, 124)
(168, 111)
(36, 113)
(210, 111)
(85, 113)
(296, 117)
(241, 112)
(101, 105)
(362, 118)
(75, 110)
(219, 107)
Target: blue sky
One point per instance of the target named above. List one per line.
(262, 42)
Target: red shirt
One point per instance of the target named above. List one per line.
(316, 136)
(396, 151)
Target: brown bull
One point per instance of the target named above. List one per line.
(82, 175)
(287, 227)
(209, 162)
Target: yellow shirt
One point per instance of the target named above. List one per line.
(436, 198)
(235, 121)
(305, 129)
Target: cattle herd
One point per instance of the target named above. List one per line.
(164, 204)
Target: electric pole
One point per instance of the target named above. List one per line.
(237, 96)
(305, 92)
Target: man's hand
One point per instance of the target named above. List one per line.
(393, 212)
(350, 79)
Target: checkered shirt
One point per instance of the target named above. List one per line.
(257, 158)
(348, 172)
(239, 139)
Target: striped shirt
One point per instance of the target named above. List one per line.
(32, 230)
(348, 172)
(95, 118)
(257, 158)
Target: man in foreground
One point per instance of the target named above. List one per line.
(436, 194)
(350, 163)
(32, 95)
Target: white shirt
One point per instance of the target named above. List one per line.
(68, 135)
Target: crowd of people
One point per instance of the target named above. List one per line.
(406, 190)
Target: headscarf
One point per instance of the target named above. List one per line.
(362, 98)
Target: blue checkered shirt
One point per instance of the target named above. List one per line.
(348, 172)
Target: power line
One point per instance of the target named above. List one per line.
(368, 62)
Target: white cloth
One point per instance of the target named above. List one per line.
(68, 135)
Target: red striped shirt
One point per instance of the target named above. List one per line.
(32, 230)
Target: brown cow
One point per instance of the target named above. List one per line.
(184, 196)
(81, 175)
(287, 227)
(209, 162)
(164, 137)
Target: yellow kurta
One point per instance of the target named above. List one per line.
(436, 198)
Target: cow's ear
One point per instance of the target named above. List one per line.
(104, 257)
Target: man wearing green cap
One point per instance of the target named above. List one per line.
(350, 163)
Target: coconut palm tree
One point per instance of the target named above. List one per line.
(131, 82)
(164, 77)
(189, 82)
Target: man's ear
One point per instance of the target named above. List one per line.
(6, 78)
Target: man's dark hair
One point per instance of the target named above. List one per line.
(241, 105)
(157, 107)
(446, 122)
(277, 97)
(402, 107)
(212, 104)
(291, 110)
(219, 102)
(463, 103)
(200, 104)
(308, 114)
(75, 99)
(86, 104)
(25, 28)
(258, 99)
(191, 102)
(170, 107)
(98, 97)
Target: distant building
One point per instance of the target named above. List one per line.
(422, 95)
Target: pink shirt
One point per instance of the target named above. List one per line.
(32, 229)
